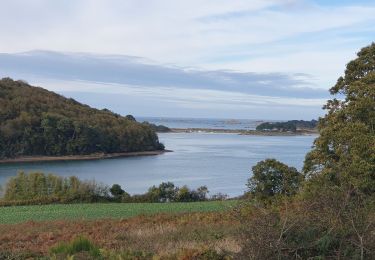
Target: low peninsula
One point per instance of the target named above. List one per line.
(246, 132)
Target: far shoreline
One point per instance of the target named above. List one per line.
(300, 132)
(96, 156)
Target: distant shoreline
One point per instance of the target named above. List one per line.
(244, 132)
(95, 156)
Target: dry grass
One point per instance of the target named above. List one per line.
(158, 234)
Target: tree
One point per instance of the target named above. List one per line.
(130, 118)
(202, 193)
(167, 192)
(183, 194)
(116, 191)
(271, 178)
(344, 152)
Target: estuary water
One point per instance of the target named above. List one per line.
(222, 162)
(210, 123)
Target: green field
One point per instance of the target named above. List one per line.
(17, 214)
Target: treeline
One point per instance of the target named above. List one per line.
(40, 188)
(289, 126)
(165, 192)
(34, 121)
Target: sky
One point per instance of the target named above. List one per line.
(258, 59)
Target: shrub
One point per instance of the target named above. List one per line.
(77, 245)
(51, 188)
(271, 178)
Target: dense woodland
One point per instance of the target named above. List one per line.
(291, 125)
(34, 121)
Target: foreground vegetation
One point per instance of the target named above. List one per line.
(35, 122)
(164, 236)
(17, 214)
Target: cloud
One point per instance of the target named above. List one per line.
(127, 70)
(210, 34)
(93, 78)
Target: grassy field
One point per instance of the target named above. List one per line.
(18, 214)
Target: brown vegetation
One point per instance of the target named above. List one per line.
(161, 234)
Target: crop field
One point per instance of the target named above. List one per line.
(18, 214)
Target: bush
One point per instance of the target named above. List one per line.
(77, 245)
(331, 225)
(272, 178)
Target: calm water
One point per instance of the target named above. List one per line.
(211, 123)
(220, 161)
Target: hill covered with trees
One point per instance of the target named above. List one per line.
(291, 126)
(34, 121)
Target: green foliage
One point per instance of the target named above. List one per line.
(344, 153)
(38, 187)
(116, 190)
(333, 215)
(158, 128)
(130, 117)
(165, 192)
(168, 192)
(34, 121)
(289, 126)
(77, 245)
(271, 178)
(184, 194)
(79, 211)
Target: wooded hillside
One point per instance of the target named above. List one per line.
(34, 121)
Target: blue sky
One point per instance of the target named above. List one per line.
(259, 59)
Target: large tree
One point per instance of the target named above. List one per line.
(344, 152)
(271, 178)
